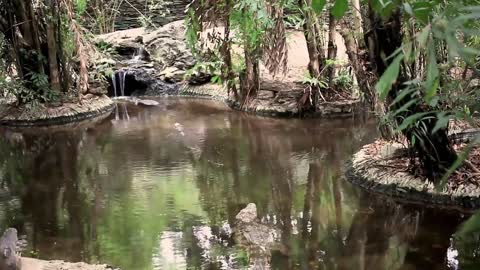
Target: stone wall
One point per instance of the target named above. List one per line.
(130, 10)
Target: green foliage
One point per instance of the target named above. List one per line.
(318, 5)
(339, 8)
(41, 91)
(389, 77)
(81, 7)
(435, 30)
(213, 68)
(343, 80)
(315, 82)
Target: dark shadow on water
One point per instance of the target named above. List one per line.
(160, 189)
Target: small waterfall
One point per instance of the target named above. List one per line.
(114, 81)
(122, 77)
(139, 52)
(121, 74)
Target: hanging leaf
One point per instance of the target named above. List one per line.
(389, 77)
(411, 120)
(433, 74)
(318, 5)
(423, 36)
(339, 8)
(408, 9)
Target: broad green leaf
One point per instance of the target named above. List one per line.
(339, 8)
(318, 5)
(389, 77)
(423, 10)
(423, 36)
(410, 120)
(402, 94)
(433, 74)
(408, 8)
(405, 106)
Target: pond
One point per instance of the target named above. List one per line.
(159, 188)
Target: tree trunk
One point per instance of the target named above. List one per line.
(35, 34)
(311, 30)
(332, 48)
(434, 151)
(226, 51)
(52, 47)
(252, 78)
(365, 79)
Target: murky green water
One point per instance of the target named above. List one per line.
(158, 188)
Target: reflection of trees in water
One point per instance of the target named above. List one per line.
(259, 161)
(289, 169)
(46, 171)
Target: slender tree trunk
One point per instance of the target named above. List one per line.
(250, 84)
(52, 47)
(64, 74)
(332, 48)
(365, 79)
(252, 78)
(35, 34)
(312, 33)
(227, 53)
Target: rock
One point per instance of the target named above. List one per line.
(168, 46)
(248, 214)
(9, 257)
(172, 74)
(146, 82)
(148, 102)
(259, 240)
(88, 96)
(98, 88)
(108, 61)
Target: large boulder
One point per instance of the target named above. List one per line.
(166, 46)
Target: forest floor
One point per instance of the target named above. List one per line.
(387, 163)
(465, 176)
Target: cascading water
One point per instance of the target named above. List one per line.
(138, 55)
(114, 82)
(121, 75)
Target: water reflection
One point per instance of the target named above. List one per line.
(158, 188)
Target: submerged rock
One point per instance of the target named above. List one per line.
(259, 240)
(248, 214)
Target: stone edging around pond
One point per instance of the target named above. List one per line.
(65, 114)
(36, 264)
(370, 172)
(266, 108)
